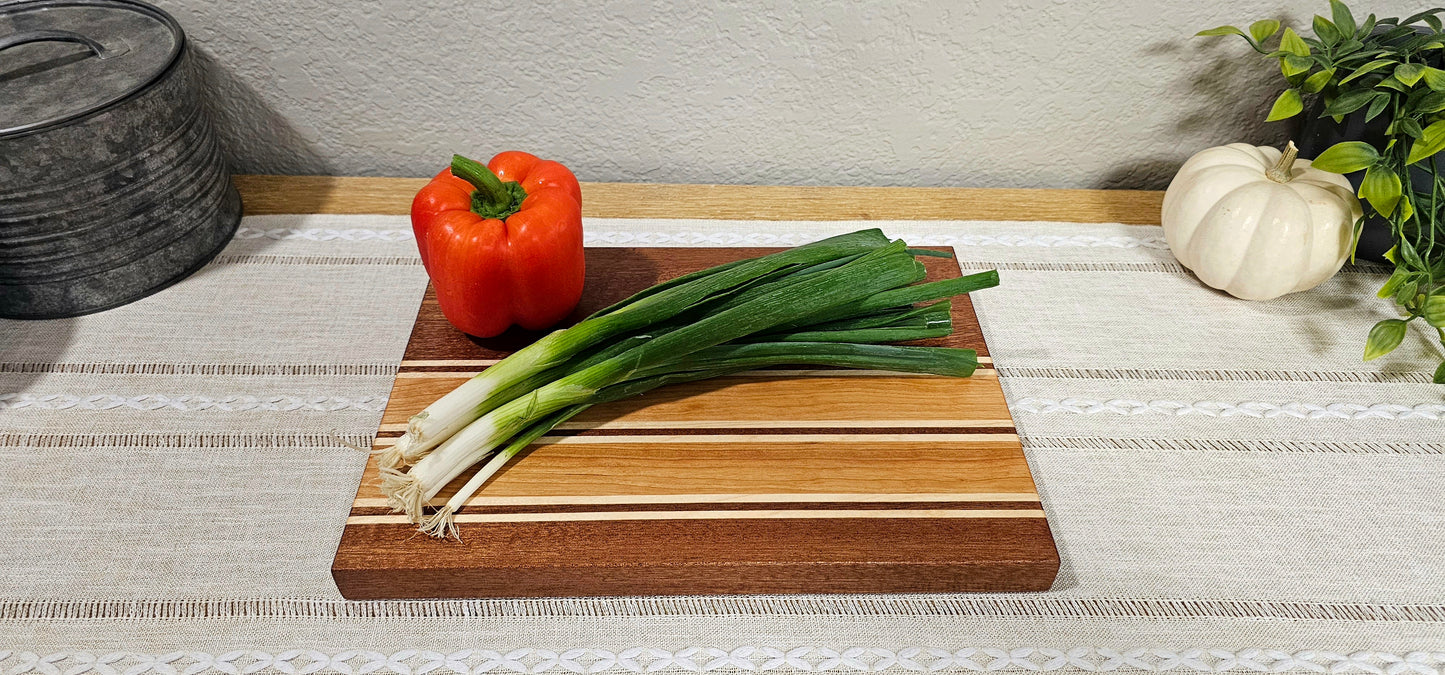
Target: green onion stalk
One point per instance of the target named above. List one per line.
(828, 304)
(528, 368)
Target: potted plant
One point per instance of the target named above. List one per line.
(1379, 71)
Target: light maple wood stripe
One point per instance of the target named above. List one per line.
(737, 498)
(766, 465)
(462, 376)
(902, 425)
(784, 514)
(333, 194)
(685, 439)
(767, 400)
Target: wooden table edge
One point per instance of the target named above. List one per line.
(271, 194)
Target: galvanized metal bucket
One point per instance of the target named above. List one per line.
(112, 183)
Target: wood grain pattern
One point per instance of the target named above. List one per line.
(798, 481)
(333, 194)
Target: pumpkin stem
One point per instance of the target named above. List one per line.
(1282, 171)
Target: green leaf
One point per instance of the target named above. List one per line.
(1440, 374)
(1433, 22)
(1292, 43)
(1432, 102)
(1347, 157)
(1392, 83)
(1434, 311)
(1381, 188)
(1432, 140)
(1406, 211)
(1287, 105)
(1371, 66)
(1434, 78)
(1384, 338)
(1416, 17)
(1348, 47)
(1369, 26)
(1294, 65)
(1432, 45)
(1222, 30)
(1406, 292)
(1327, 31)
(1316, 82)
(1343, 19)
(1392, 284)
(1264, 29)
(1409, 127)
(1349, 102)
(1410, 255)
(1377, 106)
(1409, 73)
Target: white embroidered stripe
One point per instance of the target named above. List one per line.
(1219, 375)
(154, 402)
(750, 658)
(621, 238)
(1258, 409)
(1230, 445)
(994, 606)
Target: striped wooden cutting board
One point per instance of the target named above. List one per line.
(779, 481)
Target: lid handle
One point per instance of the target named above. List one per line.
(54, 36)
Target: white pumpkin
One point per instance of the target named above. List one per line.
(1257, 223)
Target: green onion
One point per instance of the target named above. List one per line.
(705, 364)
(499, 384)
(827, 304)
(882, 269)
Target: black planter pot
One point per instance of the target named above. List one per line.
(1317, 134)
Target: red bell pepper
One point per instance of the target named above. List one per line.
(502, 243)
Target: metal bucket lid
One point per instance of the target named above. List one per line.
(63, 59)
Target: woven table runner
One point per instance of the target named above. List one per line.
(1230, 487)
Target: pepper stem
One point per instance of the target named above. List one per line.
(1283, 170)
(493, 198)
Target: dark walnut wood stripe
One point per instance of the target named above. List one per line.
(801, 505)
(791, 480)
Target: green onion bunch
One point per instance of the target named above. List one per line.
(829, 303)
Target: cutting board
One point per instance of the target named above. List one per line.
(774, 481)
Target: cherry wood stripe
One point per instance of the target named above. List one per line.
(763, 401)
(718, 556)
(965, 464)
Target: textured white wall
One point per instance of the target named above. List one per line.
(1025, 93)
